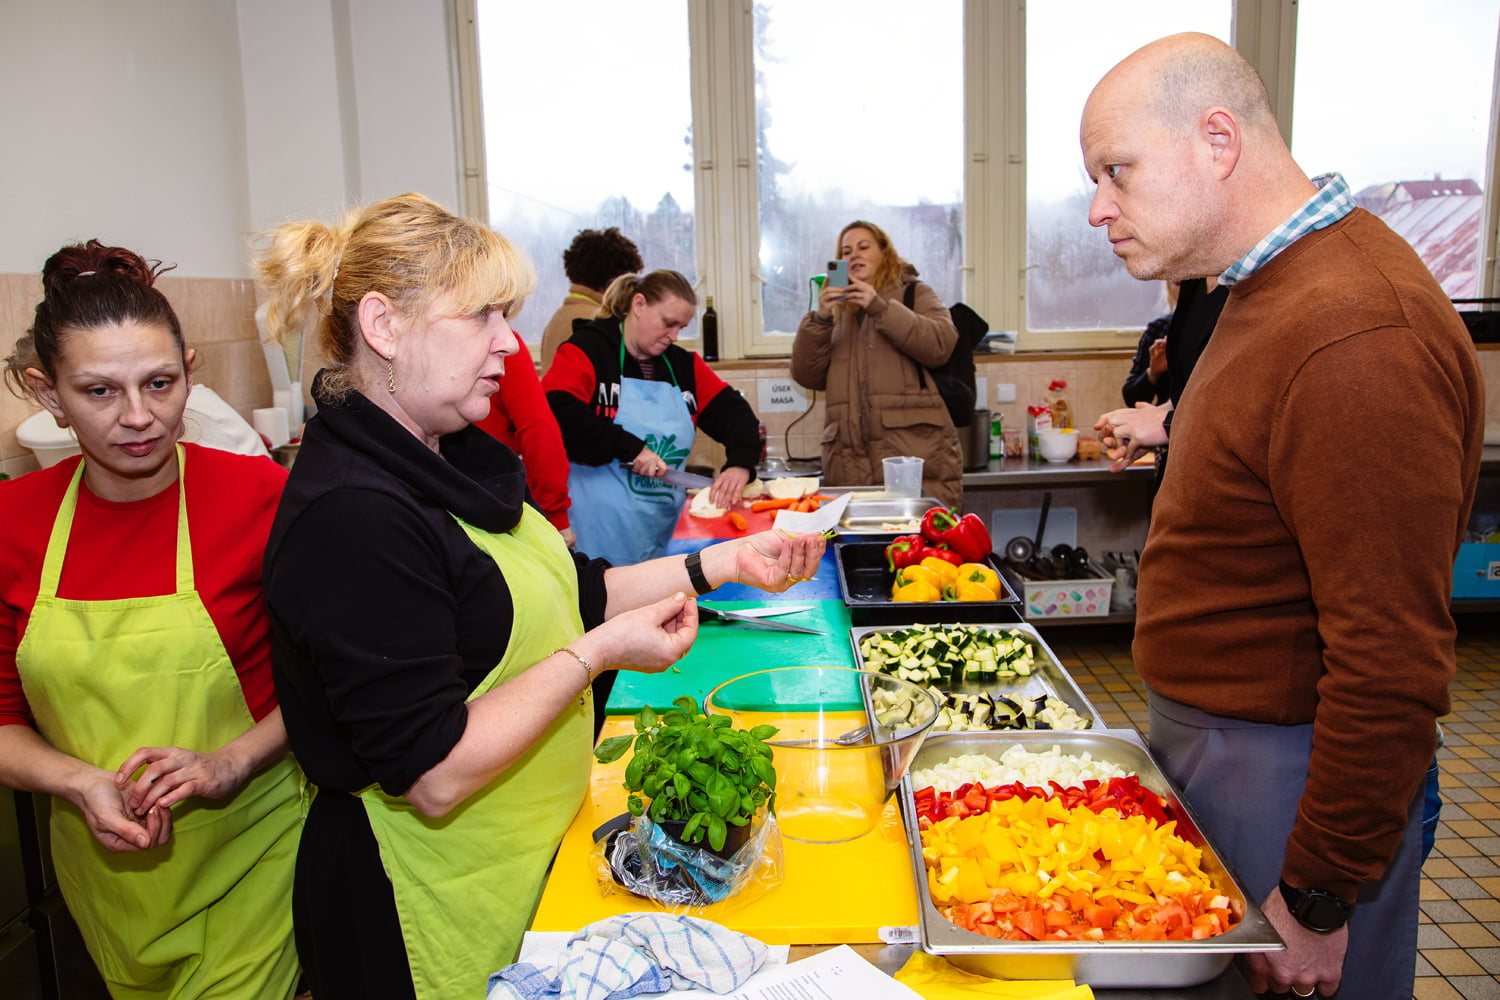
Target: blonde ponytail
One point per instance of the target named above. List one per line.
(408, 248)
(655, 286)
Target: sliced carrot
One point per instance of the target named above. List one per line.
(738, 521)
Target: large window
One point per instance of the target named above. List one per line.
(587, 124)
(1426, 176)
(734, 138)
(1073, 280)
(857, 117)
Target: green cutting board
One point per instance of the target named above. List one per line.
(723, 652)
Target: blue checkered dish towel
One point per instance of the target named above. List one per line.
(635, 954)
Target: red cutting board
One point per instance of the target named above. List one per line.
(830, 893)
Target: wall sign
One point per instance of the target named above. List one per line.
(780, 396)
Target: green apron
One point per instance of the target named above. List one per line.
(466, 883)
(208, 914)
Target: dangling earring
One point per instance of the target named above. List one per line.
(390, 372)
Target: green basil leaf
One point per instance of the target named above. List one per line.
(612, 749)
(717, 833)
(633, 772)
(763, 732)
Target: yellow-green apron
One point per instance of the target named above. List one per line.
(208, 914)
(466, 883)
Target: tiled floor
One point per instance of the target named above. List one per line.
(1460, 932)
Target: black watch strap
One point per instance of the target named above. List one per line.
(1316, 909)
(694, 564)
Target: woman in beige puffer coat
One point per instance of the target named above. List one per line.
(868, 352)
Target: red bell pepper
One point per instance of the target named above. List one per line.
(965, 535)
(944, 553)
(907, 550)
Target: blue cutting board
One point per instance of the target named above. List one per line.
(822, 586)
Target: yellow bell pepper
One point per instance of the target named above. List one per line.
(945, 570)
(963, 590)
(918, 574)
(919, 591)
(980, 574)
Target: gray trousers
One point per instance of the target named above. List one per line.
(1242, 780)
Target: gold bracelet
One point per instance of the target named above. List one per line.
(588, 671)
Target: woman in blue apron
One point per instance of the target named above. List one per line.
(629, 402)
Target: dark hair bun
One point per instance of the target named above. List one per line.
(84, 260)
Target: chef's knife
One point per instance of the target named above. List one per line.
(772, 610)
(730, 618)
(687, 480)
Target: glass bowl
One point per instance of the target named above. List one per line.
(836, 761)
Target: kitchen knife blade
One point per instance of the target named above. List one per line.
(731, 618)
(675, 477)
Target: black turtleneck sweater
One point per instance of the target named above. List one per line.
(386, 615)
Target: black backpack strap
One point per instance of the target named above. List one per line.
(909, 300)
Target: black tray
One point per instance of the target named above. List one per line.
(865, 583)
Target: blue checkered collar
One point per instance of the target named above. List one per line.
(1329, 204)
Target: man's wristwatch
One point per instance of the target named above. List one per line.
(1316, 909)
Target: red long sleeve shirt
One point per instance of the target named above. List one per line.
(119, 550)
(521, 420)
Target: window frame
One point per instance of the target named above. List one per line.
(726, 193)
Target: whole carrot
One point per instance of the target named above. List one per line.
(763, 505)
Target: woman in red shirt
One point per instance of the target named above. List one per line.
(135, 653)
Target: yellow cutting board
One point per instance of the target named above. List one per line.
(830, 893)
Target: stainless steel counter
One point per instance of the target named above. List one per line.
(1023, 473)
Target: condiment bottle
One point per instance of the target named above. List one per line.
(710, 332)
(997, 438)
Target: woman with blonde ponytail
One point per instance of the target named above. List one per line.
(629, 402)
(435, 639)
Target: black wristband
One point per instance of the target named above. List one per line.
(694, 564)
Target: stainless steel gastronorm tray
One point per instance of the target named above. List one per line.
(865, 516)
(1048, 676)
(1102, 964)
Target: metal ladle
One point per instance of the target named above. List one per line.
(1021, 551)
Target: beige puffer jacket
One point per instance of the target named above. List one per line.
(869, 366)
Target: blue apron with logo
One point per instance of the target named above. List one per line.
(617, 514)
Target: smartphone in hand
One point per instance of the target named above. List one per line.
(838, 274)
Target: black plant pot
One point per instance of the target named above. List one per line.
(735, 837)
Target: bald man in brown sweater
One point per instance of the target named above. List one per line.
(1293, 620)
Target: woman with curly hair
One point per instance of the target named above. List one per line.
(592, 261)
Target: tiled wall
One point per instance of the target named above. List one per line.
(218, 319)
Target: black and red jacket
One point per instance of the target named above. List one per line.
(583, 389)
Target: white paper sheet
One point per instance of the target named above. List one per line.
(836, 974)
(825, 518)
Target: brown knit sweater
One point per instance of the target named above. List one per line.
(1299, 564)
